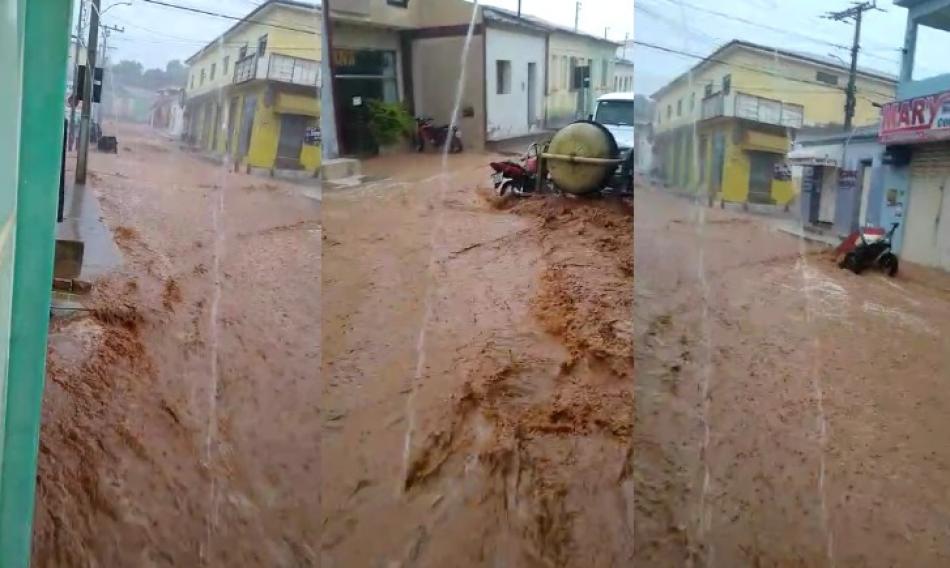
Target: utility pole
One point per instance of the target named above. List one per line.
(857, 12)
(105, 64)
(577, 15)
(519, 8)
(72, 106)
(87, 90)
(626, 40)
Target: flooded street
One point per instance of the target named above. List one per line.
(477, 370)
(180, 415)
(788, 413)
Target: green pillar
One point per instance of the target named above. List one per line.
(40, 76)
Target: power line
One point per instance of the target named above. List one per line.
(748, 67)
(180, 39)
(682, 3)
(230, 17)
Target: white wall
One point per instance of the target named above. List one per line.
(508, 114)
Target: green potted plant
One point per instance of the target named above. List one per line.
(390, 124)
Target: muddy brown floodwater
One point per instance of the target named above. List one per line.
(478, 374)
(148, 457)
(788, 413)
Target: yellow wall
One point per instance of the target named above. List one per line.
(762, 75)
(279, 40)
(561, 101)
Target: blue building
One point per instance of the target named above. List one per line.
(842, 179)
(916, 131)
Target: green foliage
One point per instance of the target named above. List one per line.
(389, 123)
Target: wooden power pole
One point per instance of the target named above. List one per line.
(856, 12)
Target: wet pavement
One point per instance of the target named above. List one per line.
(477, 381)
(180, 418)
(788, 413)
(83, 221)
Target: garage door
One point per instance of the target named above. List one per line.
(927, 234)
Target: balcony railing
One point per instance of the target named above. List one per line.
(277, 67)
(751, 107)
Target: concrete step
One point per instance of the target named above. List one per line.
(340, 168)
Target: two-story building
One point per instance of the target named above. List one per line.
(724, 127)
(916, 130)
(252, 94)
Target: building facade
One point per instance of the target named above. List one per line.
(623, 76)
(841, 182)
(916, 131)
(581, 68)
(412, 53)
(724, 128)
(252, 94)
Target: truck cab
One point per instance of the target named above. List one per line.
(615, 112)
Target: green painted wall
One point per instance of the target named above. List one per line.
(28, 202)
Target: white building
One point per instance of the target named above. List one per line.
(515, 56)
(623, 76)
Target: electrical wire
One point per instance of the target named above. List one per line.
(762, 70)
(786, 32)
(311, 31)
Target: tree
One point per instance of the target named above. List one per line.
(176, 74)
(128, 72)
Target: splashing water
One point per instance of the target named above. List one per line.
(211, 435)
(427, 313)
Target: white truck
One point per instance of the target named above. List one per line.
(615, 112)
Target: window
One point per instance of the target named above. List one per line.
(224, 67)
(708, 90)
(214, 67)
(829, 78)
(565, 73)
(603, 73)
(552, 81)
(398, 3)
(692, 101)
(242, 53)
(726, 84)
(202, 82)
(503, 76)
(679, 107)
(192, 81)
(669, 111)
(261, 45)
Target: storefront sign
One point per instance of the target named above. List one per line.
(923, 119)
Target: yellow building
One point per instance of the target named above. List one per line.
(572, 57)
(724, 127)
(253, 93)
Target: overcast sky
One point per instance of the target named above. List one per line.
(791, 24)
(156, 34)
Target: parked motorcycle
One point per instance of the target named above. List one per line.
(519, 178)
(427, 133)
(872, 252)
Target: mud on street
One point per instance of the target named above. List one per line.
(477, 372)
(788, 413)
(180, 418)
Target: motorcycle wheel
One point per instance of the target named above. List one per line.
(850, 262)
(456, 146)
(506, 187)
(420, 145)
(889, 264)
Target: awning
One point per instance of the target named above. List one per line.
(297, 104)
(827, 155)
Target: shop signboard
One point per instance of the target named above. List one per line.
(923, 119)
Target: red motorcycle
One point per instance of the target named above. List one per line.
(435, 136)
(519, 178)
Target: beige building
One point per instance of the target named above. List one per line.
(580, 69)
(623, 76)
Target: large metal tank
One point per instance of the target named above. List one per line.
(582, 157)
